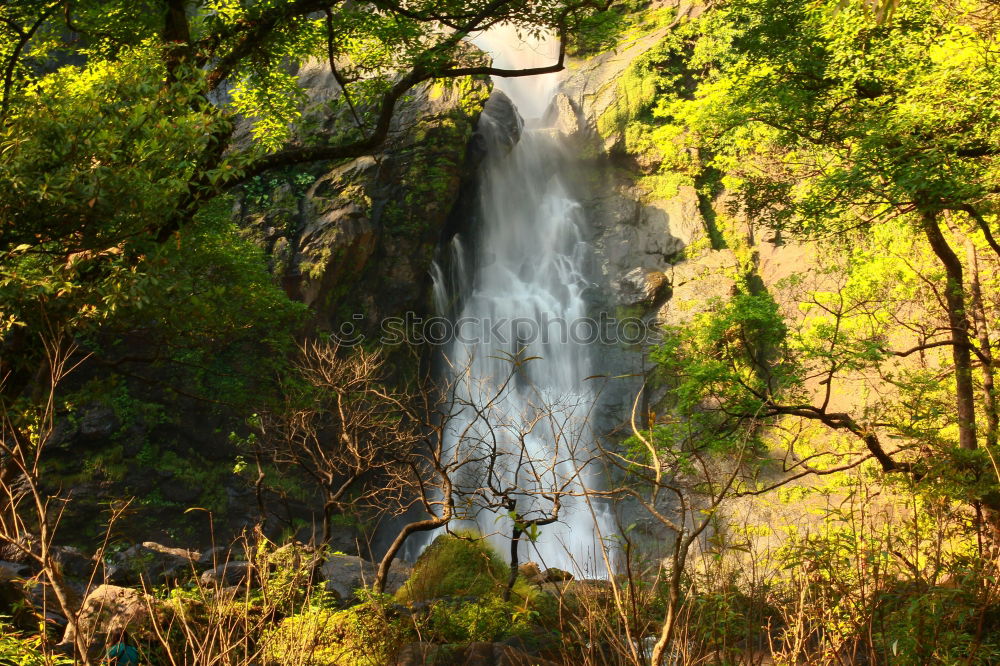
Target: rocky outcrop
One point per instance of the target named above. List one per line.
(355, 239)
(638, 233)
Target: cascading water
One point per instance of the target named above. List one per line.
(525, 425)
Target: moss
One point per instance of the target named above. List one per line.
(635, 94)
(616, 27)
(455, 566)
(190, 470)
(319, 636)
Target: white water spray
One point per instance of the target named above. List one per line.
(523, 294)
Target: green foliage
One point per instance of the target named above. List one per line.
(362, 635)
(489, 619)
(734, 355)
(72, 192)
(17, 649)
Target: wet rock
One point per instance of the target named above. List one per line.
(500, 111)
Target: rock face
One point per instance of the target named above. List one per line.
(357, 241)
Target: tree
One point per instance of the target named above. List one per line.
(831, 118)
(340, 429)
(86, 207)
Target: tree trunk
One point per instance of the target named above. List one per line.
(958, 322)
(420, 526)
(673, 600)
(515, 541)
(985, 349)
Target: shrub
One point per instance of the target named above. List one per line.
(363, 635)
(488, 620)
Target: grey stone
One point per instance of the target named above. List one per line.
(98, 422)
(344, 574)
(230, 574)
(150, 563)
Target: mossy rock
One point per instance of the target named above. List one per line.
(455, 566)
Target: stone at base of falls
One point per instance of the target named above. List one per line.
(109, 614)
(474, 654)
(344, 574)
(230, 574)
(531, 572)
(554, 575)
(150, 563)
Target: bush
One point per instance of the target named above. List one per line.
(19, 650)
(487, 620)
(363, 635)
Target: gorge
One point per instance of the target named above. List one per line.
(499, 332)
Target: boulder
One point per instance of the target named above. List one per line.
(346, 573)
(230, 574)
(73, 563)
(211, 558)
(109, 613)
(643, 286)
(506, 122)
(564, 116)
(531, 573)
(150, 563)
(12, 570)
(98, 422)
(553, 575)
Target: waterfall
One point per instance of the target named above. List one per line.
(519, 282)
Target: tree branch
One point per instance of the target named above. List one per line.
(8, 76)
